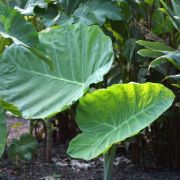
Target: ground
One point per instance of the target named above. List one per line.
(63, 167)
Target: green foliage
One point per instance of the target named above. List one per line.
(161, 52)
(27, 8)
(82, 56)
(70, 6)
(23, 148)
(155, 46)
(109, 116)
(3, 131)
(174, 14)
(10, 24)
(13, 26)
(96, 12)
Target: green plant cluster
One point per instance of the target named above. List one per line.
(54, 53)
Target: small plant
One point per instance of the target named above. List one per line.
(22, 148)
(108, 116)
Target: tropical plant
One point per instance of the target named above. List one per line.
(10, 23)
(55, 51)
(81, 55)
(22, 148)
(107, 117)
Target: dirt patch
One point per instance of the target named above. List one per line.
(63, 167)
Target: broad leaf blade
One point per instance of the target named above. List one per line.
(81, 55)
(14, 26)
(70, 6)
(109, 116)
(3, 131)
(96, 12)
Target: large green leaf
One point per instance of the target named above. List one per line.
(70, 6)
(3, 131)
(96, 11)
(13, 26)
(81, 55)
(109, 116)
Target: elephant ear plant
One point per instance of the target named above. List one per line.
(81, 55)
(109, 116)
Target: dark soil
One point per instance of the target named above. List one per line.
(63, 167)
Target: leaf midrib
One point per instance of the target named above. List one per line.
(106, 135)
(127, 120)
(52, 77)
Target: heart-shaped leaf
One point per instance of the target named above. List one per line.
(109, 116)
(81, 55)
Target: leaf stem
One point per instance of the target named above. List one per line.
(108, 162)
